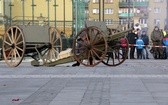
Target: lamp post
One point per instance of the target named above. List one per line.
(99, 10)
(55, 6)
(103, 10)
(167, 15)
(64, 15)
(23, 11)
(48, 2)
(33, 5)
(11, 5)
(129, 7)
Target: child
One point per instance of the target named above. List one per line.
(139, 47)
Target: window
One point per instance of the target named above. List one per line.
(95, 1)
(158, 1)
(108, 21)
(157, 22)
(95, 11)
(123, 21)
(108, 1)
(96, 20)
(157, 10)
(108, 11)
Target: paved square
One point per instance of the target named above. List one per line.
(135, 82)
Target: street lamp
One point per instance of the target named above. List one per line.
(11, 5)
(48, 1)
(33, 5)
(129, 7)
(23, 11)
(55, 6)
(64, 15)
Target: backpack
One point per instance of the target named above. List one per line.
(123, 42)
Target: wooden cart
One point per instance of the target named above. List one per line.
(39, 42)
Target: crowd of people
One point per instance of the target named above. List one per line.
(139, 42)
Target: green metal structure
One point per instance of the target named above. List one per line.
(80, 8)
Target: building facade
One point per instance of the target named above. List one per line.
(135, 11)
(104, 10)
(157, 14)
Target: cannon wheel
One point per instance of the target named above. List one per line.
(90, 46)
(13, 46)
(55, 46)
(116, 54)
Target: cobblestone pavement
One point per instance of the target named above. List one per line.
(135, 82)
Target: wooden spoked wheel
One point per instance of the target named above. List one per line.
(117, 52)
(13, 46)
(90, 46)
(55, 46)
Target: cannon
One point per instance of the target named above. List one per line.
(39, 42)
(96, 43)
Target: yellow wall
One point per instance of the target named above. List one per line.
(1, 7)
(42, 7)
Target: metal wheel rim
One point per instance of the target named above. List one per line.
(13, 46)
(55, 46)
(116, 55)
(89, 51)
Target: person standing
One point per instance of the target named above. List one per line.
(145, 39)
(132, 37)
(157, 37)
(139, 47)
(165, 43)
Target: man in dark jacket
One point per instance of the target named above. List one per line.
(145, 39)
(132, 37)
(156, 37)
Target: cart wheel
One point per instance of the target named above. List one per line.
(116, 52)
(55, 46)
(90, 46)
(13, 46)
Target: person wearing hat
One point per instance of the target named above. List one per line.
(157, 37)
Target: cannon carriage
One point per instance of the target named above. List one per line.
(100, 44)
(39, 42)
(95, 44)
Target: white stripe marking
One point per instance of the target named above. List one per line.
(80, 76)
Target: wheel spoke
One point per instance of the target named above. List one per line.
(18, 53)
(98, 50)
(16, 33)
(9, 54)
(9, 38)
(93, 41)
(21, 42)
(7, 43)
(96, 54)
(19, 48)
(12, 34)
(8, 49)
(18, 37)
(14, 53)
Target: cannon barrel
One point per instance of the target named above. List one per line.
(118, 35)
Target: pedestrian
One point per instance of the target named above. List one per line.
(124, 46)
(145, 39)
(132, 37)
(157, 37)
(165, 41)
(64, 41)
(139, 47)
